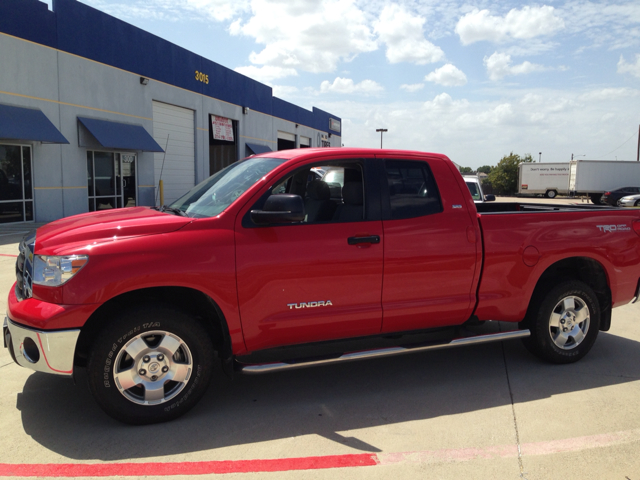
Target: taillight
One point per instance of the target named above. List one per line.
(607, 193)
(636, 227)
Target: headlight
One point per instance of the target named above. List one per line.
(53, 271)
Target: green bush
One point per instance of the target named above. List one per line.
(504, 176)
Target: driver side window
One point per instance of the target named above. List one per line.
(330, 193)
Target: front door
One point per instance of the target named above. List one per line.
(111, 180)
(307, 282)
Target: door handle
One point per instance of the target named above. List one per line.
(369, 239)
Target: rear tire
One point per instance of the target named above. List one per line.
(551, 194)
(595, 199)
(150, 364)
(565, 325)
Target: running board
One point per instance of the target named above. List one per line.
(380, 352)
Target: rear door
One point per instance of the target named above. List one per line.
(320, 279)
(431, 246)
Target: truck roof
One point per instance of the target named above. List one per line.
(304, 152)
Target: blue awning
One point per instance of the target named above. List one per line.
(122, 136)
(27, 124)
(255, 148)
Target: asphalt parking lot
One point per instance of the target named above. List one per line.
(488, 411)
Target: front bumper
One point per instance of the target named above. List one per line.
(49, 352)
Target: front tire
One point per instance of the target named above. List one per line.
(150, 364)
(565, 325)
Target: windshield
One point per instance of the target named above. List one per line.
(216, 193)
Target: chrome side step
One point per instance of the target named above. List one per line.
(380, 352)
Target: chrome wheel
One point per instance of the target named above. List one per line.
(152, 368)
(569, 322)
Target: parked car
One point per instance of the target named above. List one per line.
(629, 201)
(612, 197)
(475, 188)
(242, 269)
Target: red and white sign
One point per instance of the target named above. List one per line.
(222, 128)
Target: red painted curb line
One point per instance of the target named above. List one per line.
(425, 457)
(7, 255)
(186, 468)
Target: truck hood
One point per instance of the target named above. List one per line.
(108, 225)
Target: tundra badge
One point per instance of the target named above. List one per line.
(321, 303)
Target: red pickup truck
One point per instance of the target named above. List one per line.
(303, 257)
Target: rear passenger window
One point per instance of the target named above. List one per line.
(412, 189)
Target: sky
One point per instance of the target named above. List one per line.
(475, 81)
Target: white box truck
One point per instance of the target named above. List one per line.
(548, 179)
(594, 177)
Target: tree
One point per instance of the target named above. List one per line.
(464, 170)
(504, 176)
(485, 169)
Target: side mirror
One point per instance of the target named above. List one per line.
(489, 198)
(280, 208)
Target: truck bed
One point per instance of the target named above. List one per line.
(522, 241)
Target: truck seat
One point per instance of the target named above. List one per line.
(352, 208)
(317, 204)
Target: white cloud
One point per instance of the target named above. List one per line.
(499, 66)
(527, 23)
(414, 87)
(442, 100)
(608, 94)
(603, 22)
(403, 34)
(447, 75)
(285, 92)
(480, 132)
(305, 34)
(266, 73)
(347, 85)
(632, 68)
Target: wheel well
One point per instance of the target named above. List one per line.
(198, 304)
(584, 269)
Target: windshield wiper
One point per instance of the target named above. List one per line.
(177, 211)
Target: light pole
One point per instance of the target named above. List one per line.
(577, 156)
(539, 157)
(381, 130)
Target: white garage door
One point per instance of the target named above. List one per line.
(178, 172)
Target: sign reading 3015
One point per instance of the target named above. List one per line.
(201, 77)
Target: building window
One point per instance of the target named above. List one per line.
(111, 180)
(16, 184)
(223, 150)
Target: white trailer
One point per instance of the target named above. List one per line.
(549, 179)
(594, 177)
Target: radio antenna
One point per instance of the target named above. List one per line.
(162, 169)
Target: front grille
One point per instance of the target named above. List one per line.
(24, 267)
